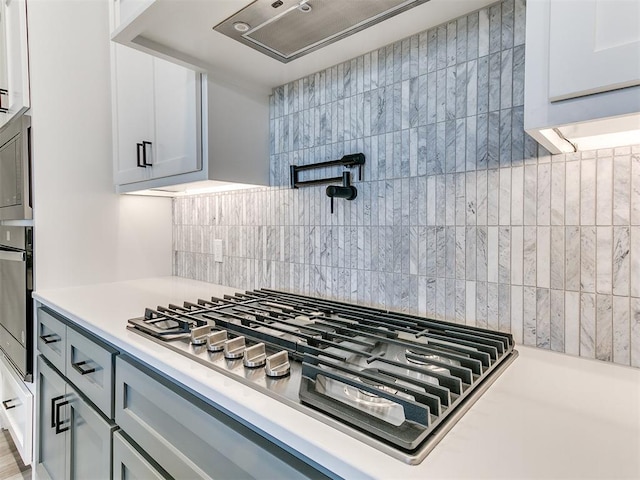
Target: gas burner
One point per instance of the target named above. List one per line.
(395, 381)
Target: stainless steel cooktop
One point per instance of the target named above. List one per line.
(398, 382)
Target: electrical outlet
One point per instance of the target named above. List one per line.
(217, 250)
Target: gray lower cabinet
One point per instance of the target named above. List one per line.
(74, 440)
(188, 437)
(128, 463)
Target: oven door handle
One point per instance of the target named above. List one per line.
(12, 256)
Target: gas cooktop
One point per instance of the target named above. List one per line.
(396, 381)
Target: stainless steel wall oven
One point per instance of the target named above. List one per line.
(16, 287)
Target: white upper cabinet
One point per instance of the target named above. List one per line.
(595, 47)
(156, 109)
(14, 59)
(582, 85)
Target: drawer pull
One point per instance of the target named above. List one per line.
(54, 410)
(50, 338)
(58, 423)
(5, 404)
(81, 369)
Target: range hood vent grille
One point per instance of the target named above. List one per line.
(295, 28)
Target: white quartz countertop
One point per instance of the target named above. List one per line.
(548, 416)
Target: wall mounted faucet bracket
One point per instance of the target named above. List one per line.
(346, 191)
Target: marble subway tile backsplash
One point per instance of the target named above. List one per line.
(460, 215)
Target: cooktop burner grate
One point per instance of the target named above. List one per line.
(396, 381)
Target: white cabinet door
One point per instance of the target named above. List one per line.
(133, 113)
(177, 127)
(595, 47)
(14, 76)
(157, 112)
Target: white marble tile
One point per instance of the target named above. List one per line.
(635, 189)
(621, 260)
(530, 194)
(588, 192)
(635, 332)
(493, 319)
(621, 330)
(604, 260)
(604, 340)
(621, 190)
(604, 191)
(517, 313)
(572, 258)
(482, 259)
(587, 325)
(634, 258)
(504, 211)
(504, 307)
(492, 254)
(504, 254)
(544, 194)
(529, 314)
(557, 327)
(588, 259)
(481, 197)
(543, 257)
(517, 195)
(558, 184)
(543, 318)
(493, 196)
(530, 256)
(481, 304)
(470, 303)
(557, 257)
(517, 255)
(572, 189)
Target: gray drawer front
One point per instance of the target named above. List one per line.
(128, 463)
(89, 367)
(52, 339)
(189, 442)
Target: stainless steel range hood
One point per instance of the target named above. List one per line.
(288, 29)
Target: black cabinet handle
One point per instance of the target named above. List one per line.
(54, 411)
(144, 154)
(58, 423)
(3, 93)
(5, 404)
(139, 147)
(50, 338)
(81, 369)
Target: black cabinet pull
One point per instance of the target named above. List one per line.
(81, 369)
(3, 93)
(50, 338)
(58, 423)
(144, 154)
(54, 411)
(139, 147)
(5, 404)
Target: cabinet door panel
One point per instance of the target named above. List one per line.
(89, 442)
(595, 47)
(129, 464)
(177, 113)
(52, 451)
(133, 111)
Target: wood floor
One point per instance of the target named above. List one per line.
(11, 466)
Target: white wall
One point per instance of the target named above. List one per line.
(85, 233)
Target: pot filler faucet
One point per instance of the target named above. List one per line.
(346, 190)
